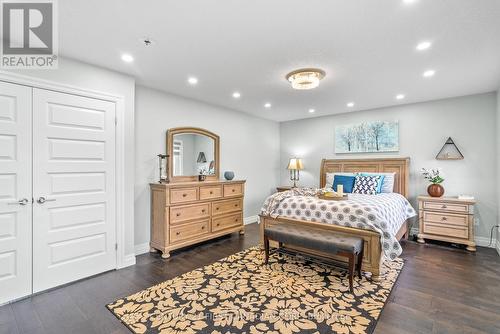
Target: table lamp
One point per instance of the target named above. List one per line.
(294, 166)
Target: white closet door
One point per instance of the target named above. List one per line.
(15, 191)
(74, 226)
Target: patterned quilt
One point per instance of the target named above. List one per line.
(383, 213)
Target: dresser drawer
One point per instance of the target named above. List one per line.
(183, 195)
(188, 231)
(189, 212)
(446, 218)
(446, 230)
(223, 207)
(222, 223)
(450, 207)
(209, 192)
(233, 190)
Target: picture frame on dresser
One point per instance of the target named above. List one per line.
(186, 211)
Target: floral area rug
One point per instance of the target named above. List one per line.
(239, 294)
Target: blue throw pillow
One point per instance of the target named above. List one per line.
(346, 180)
(380, 181)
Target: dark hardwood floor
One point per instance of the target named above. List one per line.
(440, 290)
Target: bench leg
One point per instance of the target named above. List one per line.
(266, 249)
(360, 262)
(352, 259)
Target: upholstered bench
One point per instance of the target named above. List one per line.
(325, 241)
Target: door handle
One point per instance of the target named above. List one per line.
(42, 200)
(23, 201)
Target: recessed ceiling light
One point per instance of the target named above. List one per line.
(267, 105)
(192, 80)
(236, 95)
(127, 58)
(312, 110)
(350, 104)
(423, 45)
(400, 96)
(429, 73)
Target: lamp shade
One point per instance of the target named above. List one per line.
(201, 157)
(449, 151)
(295, 164)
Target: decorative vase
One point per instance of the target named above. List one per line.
(229, 175)
(435, 190)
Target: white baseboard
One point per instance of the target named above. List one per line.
(250, 219)
(480, 241)
(128, 260)
(141, 248)
(144, 248)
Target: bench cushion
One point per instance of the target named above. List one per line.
(321, 240)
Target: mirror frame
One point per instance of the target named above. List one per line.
(183, 130)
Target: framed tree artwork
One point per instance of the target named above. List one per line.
(366, 137)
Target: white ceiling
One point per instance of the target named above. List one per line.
(366, 47)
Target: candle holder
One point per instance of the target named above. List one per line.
(163, 160)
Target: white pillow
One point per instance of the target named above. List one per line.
(331, 176)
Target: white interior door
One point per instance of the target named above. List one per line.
(73, 187)
(15, 191)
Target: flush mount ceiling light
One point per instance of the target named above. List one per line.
(350, 104)
(312, 110)
(267, 105)
(305, 78)
(400, 96)
(192, 80)
(236, 95)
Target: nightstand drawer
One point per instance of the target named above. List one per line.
(446, 230)
(450, 207)
(445, 219)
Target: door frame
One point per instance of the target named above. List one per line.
(122, 259)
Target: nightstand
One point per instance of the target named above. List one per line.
(447, 219)
(283, 188)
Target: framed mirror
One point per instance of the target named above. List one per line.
(192, 151)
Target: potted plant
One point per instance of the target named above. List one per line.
(435, 189)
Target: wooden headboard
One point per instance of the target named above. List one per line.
(400, 166)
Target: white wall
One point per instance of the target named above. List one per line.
(85, 76)
(423, 129)
(498, 169)
(248, 145)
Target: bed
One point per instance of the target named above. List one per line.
(373, 255)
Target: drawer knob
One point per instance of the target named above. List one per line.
(203, 210)
(236, 205)
(184, 195)
(178, 214)
(203, 227)
(178, 233)
(217, 208)
(444, 218)
(444, 206)
(233, 190)
(236, 219)
(211, 193)
(218, 224)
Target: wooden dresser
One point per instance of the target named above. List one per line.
(185, 213)
(447, 219)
